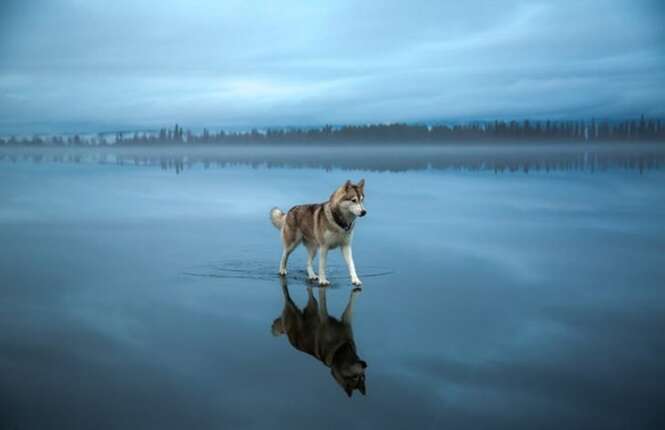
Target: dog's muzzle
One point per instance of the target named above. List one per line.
(363, 212)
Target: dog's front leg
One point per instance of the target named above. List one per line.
(348, 311)
(323, 255)
(348, 257)
(323, 306)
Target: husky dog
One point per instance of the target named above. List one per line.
(328, 339)
(322, 226)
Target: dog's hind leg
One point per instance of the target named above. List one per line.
(323, 306)
(285, 288)
(311, 253)
(279, 324)
(323, 254)
(312, 306)
(290, 241)
(285, 258)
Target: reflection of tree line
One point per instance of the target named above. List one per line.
(642, 129)
(579, 159)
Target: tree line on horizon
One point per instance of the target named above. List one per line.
(642, 129)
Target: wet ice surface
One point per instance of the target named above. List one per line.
(132, 297)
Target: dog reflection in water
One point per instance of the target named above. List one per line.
(328, 339)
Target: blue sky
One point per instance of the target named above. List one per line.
(90, 65)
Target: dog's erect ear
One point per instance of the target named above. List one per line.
(361, 184)
(347, 184)
(348, 390)
(362, 388)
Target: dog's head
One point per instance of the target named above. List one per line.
(350, 198)
(351, 376)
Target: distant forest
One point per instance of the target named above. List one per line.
(642, 129)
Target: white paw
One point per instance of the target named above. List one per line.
(324, 282)
(282, 272)
(357, 282)
(312, 278)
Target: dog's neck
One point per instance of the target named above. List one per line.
(343, 351)
(346, 353)
(337, 217)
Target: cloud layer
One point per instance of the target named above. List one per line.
(72, 64)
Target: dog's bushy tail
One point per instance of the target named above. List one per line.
(277, 217)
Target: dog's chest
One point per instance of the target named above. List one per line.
(334, 239)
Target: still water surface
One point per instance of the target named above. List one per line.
(132, 297)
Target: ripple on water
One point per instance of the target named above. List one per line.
(264, 271)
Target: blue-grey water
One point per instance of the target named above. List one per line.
(135, 297)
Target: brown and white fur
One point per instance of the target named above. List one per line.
(322, 226)
(328, 339)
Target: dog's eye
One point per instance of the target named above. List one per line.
(354, 200)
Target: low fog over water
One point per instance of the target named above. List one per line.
(499, 156)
